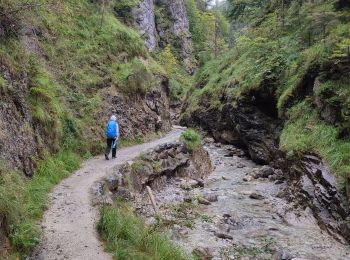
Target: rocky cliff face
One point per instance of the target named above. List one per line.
(170, 26)
(312, 185)
(18, 147)
(181, 29)
(244, 125)
(21, 137)
(254, 126)
(141, 114)
(145, 22)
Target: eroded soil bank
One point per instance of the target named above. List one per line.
(239, 211)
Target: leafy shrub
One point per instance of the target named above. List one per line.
(133, 77)
(191, 139)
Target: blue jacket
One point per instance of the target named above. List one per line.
(112, 129)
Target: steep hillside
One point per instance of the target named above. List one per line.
(286, 66)
(282, 91)
(65, 67)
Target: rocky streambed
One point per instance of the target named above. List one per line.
(218, 204)
(251, 218)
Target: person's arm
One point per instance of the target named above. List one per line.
(117, 131)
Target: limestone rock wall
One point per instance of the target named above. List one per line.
(145, 22)
(171, 28)
(181, 29)
(138, 115)
(18, 147)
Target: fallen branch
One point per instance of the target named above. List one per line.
(153, 201)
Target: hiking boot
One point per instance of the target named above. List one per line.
(113, 157)
(106, 156)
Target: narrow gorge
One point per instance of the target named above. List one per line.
(234, 129)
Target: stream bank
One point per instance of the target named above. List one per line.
(238, 211)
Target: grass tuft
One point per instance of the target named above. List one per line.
(128, 238)
(22, 202)
(305, 132)
(191, 138)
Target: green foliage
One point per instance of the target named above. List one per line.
(11, 188)
(246, 10)
(281, 48)
(183, 214)
(128, 238)
(25, 236)
(23, 231)
(191, 139)
(137, 165)
(206, 218)
(22, 202)
(85, 46)
(133, 77)
(305, 132)
(269, 52)
(209, 30)
(44, 103)
(180, 81)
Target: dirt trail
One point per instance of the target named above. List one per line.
(69, 225)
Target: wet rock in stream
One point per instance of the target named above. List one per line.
(282, 255)
(256, 196)
(211, 197)
(223, 235)
(203, 201)
(203, 253)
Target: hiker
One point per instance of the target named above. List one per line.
(112, 134)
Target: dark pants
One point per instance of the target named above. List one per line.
(110, 142)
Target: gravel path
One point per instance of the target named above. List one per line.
(69, 225)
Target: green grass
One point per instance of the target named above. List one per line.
(191, 138)
(183, 214)
(127, 237)
(270, 57)
(305, 132)
(269, 53)
(22, 202)
(133, 77)
(240, 251)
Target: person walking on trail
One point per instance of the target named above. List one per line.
(112, 135)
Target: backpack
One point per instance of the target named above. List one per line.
(111, 129)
